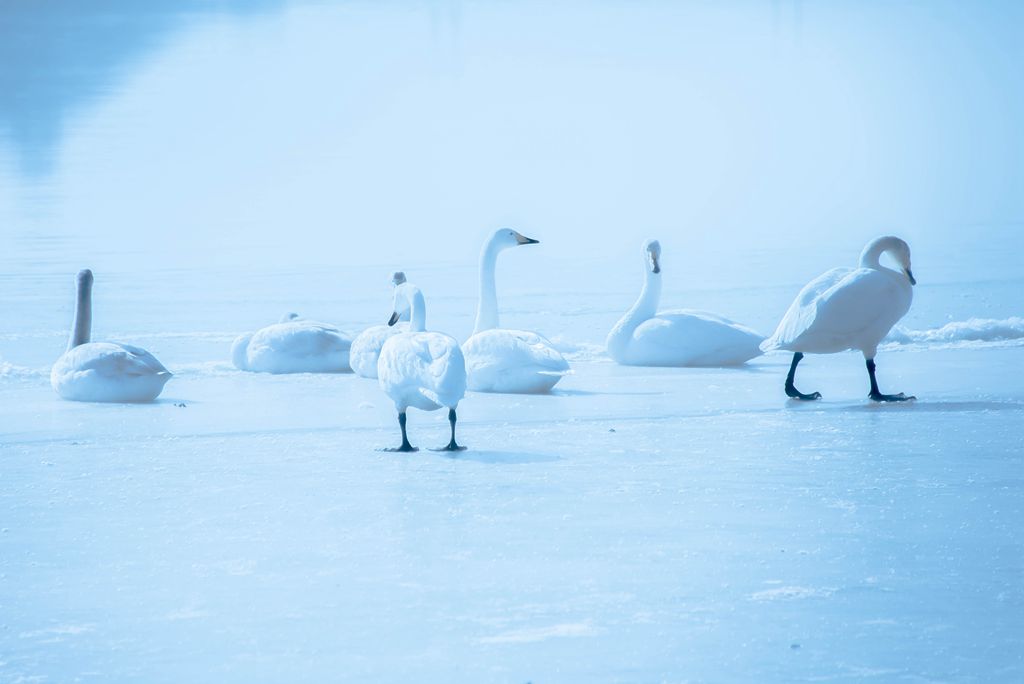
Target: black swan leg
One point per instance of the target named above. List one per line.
(791, 391)
(452, 445)
(405, 438)
(878, 396)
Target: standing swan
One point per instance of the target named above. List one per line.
(366, 347)
(848, 308)
(644, 337)
(422, 369)
(104, 371)
(500, 360)
(294, 345)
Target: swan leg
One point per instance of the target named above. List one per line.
(878, 396)
(452, 445)
(405, 439)
(791, 391)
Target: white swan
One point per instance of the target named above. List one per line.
(294, 345)
(422, 369)
(103, 371)
(366, 347)
(501, 360)
(848, 308)
(644, 337)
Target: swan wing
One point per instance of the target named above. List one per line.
(112, 359)
(501, 360)
(801, 313)
(425, 370)
(688, 337)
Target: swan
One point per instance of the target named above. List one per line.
(683, 337)
(366, 347)
(104, 371)
(501, 360)
(848, 308)
(422, 369)
(294, 345)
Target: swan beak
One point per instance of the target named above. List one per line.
(910, 276)
(655, 267)
(394, 319)
(523, 240)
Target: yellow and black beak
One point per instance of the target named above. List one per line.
(910, 276)
(523, 240)
(394, 319)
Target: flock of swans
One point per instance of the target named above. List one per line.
(842, 309)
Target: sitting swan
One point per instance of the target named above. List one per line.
(294, 345)
(644, 337)
(366, 347)
(848, 308)
(422, 369)
(104, 371)
(500, 360)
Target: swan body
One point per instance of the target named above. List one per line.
(848, 308)
(294, 345)
(424, 370)
(104, 371)
(682, 337)
(503, 360)
(513, 361)
(367, 345)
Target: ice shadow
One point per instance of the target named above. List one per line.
(499, 457)
(920, 406)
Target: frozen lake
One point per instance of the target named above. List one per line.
(220, 166)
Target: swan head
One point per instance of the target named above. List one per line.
(291, 316)
(652, 255)
(398, 278)
(85, 277)
(504, 238)
(901, 252)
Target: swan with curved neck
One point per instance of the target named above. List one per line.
(684, 337)
(103, 371)
(367, 344)
(425, 370)
(503, 360)
(848, 308)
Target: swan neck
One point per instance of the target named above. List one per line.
(82, 327)
(646, 305)
(417, 312)
(872, 253)
(487, 307)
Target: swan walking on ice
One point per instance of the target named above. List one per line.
(502, 360)
(682, 337)
(366, 347)
(425, 370)
(294, 345)
(848, 308)
(103, 371)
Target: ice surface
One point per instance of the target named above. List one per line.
(638, 525)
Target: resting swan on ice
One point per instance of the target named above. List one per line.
(425, 370)
(848, 308)
(294, 345)
(366, 347)
(644, 337)
(103, 371)
(501, 360)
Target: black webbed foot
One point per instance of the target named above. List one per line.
(878, 396)
(405, 448)
(451, 446)
(794, 393)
